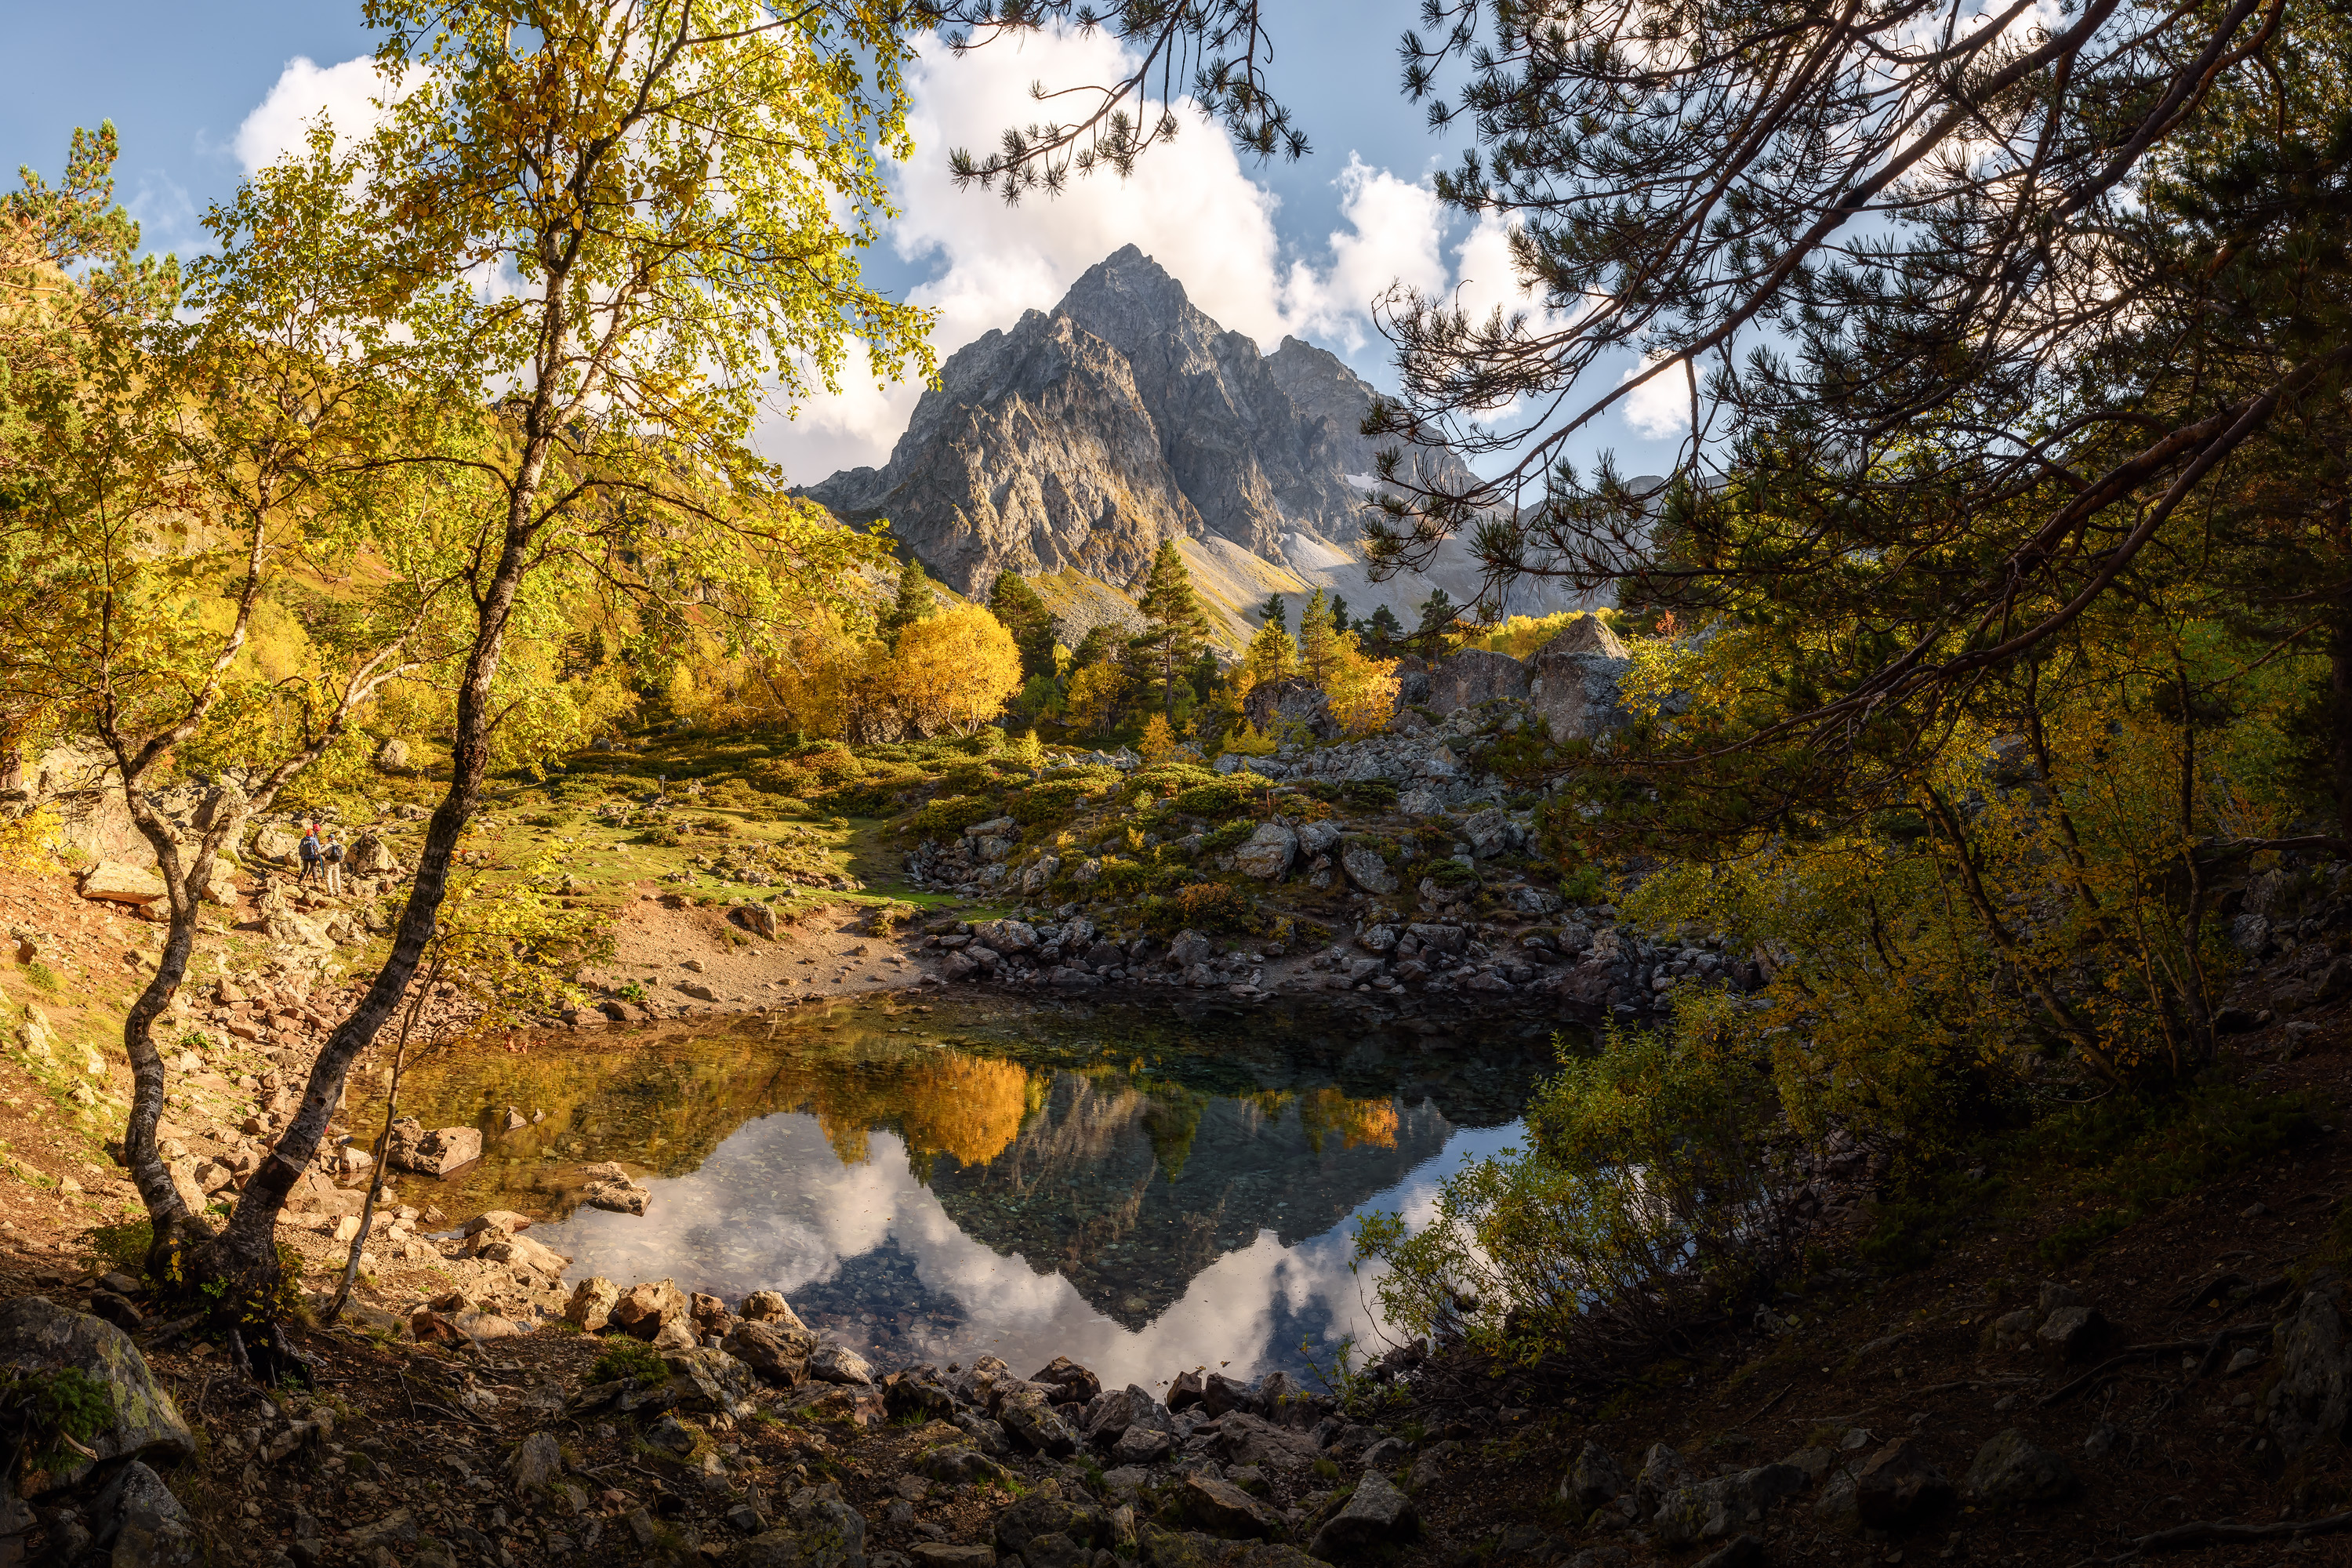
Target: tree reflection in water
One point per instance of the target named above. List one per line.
(930, 1183)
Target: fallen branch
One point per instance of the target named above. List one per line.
(2141, 1353)
(2207, 1531)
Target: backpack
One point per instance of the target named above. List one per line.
(310, 848)
(334, 852)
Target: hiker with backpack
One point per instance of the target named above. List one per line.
(333, 852)
(314, 855)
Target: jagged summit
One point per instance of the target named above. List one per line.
(1077, 440)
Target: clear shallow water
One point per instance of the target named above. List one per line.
(1143, 1189)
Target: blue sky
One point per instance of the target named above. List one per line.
(201, 93)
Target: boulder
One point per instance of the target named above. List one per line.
(115, 882)
(1027, 1411)
(1712, 1509)
(1038, 1516)
(2313, 1396)
(391, 756)
(769, 1306)
(1364, 867)
(1269, 852)
(1578, 692)
(40, 1339)
(2072, 1331)
(1077, 1384)
(1221, 1508)
(960, 1464)
(144, 1523)
(1007, 936)
(615, 1197)
(1376, 1515)
(590, 1307)
(825, 1533)
(1897, 1489)
(839, 1363)
(643, 1308)
(1475, 676)
(372, 857)
(1663, 1471)
(711, 1380)
(277, 845)
(1586, 633)
(2011, 1471)
(918, 1391)
(1220, 1394)
(1248, 1439)
(437, 1152)
(1593, 1480)
(537, 1464)
(507, 1220)
(1123, 1410)
(1273, 706)
(778, 1351)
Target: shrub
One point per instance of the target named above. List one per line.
(626, 1357)
(1202, 905)
(1218, 801)
(1054, 799)
(1231, 835)
(945, 819)
(1642, 1201)
(38, 1414)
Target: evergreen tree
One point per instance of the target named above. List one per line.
(916, 602)
(1093, 648)
(1318, 642)
(1275, 612)
(1271, 656)
(1385, 627)
(1340, 614)
(1012, 601)
(1437, 613)
(1173, 624)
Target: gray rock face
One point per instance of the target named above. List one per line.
(1275, 705)
(1475, 676)
(1576, 693)
(1081, 439)
(2313, 1396)
(40, 1339)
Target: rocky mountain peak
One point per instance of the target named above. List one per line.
(1078, 440)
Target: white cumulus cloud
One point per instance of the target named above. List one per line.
(347, 92)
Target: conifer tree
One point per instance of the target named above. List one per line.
(1276, 613)
(1173, 624)
(1012, 601)
(916, 602)
(1318, 643)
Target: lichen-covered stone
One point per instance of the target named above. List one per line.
(40, 1339)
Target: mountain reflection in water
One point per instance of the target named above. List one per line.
(1143, 1190)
